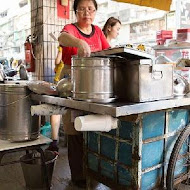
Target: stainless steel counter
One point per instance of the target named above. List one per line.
(116, 109)
(7, 145)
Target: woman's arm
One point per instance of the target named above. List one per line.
(69, 40)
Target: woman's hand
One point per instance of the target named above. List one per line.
(83, 49)
(69, 40)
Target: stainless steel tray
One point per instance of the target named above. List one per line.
(125, 52)
(93, 100)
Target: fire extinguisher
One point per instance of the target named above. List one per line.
(29, 55)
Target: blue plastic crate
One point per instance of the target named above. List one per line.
(133, 155)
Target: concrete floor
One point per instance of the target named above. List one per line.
(11, 176)
(62, 176)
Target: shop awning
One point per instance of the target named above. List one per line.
(158, 4)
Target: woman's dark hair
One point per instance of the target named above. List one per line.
(110, 22)
(76, 2)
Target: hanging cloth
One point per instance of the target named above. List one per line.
(158, 4)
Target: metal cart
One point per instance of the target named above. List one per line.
(151, 136)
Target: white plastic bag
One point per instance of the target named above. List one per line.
(42, 87)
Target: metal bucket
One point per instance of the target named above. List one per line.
(92, 79)
(16, 122)
(34, 171)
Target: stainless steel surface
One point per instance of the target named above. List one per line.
(181, 85)
(2, 74)
(64, 87)
(116, 109)
(92, 79)
(21, 82)
(160, 47)
(16, 122)
(128, 53)
(173, 53)
(162, 59)
(7, 145)
(136, 82)
(101, 100)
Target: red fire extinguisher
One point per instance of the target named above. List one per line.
(29, 55)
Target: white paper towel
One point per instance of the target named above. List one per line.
(95, 123)
(47, 109)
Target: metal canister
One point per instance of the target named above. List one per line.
(92, 79)
(16, 122)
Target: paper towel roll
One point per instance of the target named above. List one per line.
(47, 109)
(95, 123)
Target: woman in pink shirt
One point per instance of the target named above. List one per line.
(80, 38)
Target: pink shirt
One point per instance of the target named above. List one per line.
(96, 40)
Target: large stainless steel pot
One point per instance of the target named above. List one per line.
(16, 122)
(92, 79)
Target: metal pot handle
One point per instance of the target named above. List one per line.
(157, 74)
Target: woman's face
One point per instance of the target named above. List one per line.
(85, 12)
(114, 30)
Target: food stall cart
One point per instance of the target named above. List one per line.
(137, 153)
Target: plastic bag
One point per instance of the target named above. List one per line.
(42, 87)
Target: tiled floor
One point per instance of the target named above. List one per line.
(11, 176)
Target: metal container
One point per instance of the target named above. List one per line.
(141, 81)
(92, 79)
(174, 53)
(16, 122)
